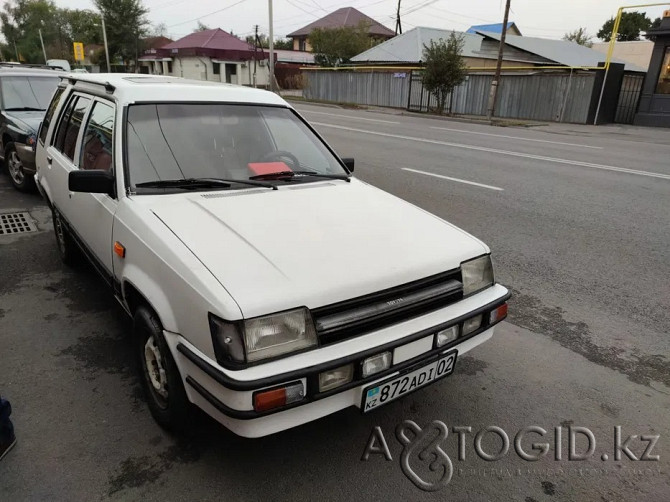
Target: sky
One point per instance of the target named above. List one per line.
(537, 18)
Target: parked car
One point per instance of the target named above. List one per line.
(63, 64)
(25, 93)
(266, 284)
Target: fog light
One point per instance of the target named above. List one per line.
(447, 335)
(472, 324)
(377, 363)
(334, 378)
(269, 399)
(498, 314)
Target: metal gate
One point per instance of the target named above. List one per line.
(629, 97)
(419, 99)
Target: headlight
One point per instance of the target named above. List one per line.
(263, 337)
(477, 274)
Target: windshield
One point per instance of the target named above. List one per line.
(234, 142)
(27, 92)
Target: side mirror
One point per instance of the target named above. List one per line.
(93, 181)
(349, 163)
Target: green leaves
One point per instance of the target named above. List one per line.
(632, 23)
(444, 66)
(336, 46)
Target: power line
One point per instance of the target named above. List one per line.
(206, 15)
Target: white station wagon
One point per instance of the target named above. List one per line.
(267, 285)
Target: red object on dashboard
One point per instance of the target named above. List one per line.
(259, 168)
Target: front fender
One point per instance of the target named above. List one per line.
(152, 293)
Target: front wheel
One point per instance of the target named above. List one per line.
(160, 377)
(17, 175)
(67, 249)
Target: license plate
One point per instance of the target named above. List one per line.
(385, 392)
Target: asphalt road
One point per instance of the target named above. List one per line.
(577, 219)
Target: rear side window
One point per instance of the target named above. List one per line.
(96, 147)
(50, 113)
(70, 124)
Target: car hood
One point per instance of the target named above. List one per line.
(28, 121)
(311, 244)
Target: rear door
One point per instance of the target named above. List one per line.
(84, 140)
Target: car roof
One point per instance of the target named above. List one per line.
(133, 87)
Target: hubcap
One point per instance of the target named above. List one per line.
(15, 168)
(154, 367)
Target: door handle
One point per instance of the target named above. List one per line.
(49, 160)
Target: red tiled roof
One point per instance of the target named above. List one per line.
(346, 16)
(216, 39)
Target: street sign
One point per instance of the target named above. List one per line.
(78, 51)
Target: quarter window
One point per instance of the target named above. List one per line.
(97, 145)
(68, 129)
(44, 128)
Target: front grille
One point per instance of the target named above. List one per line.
(361, 315)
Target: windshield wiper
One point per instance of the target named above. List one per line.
(187, 183)
(24, 109)
(291, 174)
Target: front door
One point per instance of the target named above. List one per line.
(84, 140)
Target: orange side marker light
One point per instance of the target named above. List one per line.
(119, 249)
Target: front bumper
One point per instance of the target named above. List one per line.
(228, 395)
(27, 156)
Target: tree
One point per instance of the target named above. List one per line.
(158, 30)
(126, 24)
(202, 27)
(336, 46)
(284, 43)
(632, 23)
(579, 36)
(444, 66)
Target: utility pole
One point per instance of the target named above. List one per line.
(272, 48)
(104, 37)
(256, 44)
(43, 50)
(398, 26)
(493, 94)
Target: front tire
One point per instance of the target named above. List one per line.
(160, 377)
(67, 249)
(17, 175)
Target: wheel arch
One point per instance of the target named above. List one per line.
(139, 289)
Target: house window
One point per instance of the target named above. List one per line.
(301, 44)
(663, 86)
(217, 68)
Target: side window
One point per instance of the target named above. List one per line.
(44, 128)
(68, 129)
(97, 145)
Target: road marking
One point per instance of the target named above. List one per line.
(517, 137)
(504, 152)
(348, 117)
(453, 179)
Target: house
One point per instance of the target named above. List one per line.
(213, 55)
(512, 28)
(346, 16)
(407, 50)
(637, 52)
(481, 51)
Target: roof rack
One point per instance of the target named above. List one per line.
(108, 87)
(7, 64)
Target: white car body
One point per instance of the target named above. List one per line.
(239, 254)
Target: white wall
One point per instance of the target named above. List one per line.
(636, 52)
(202, 68)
